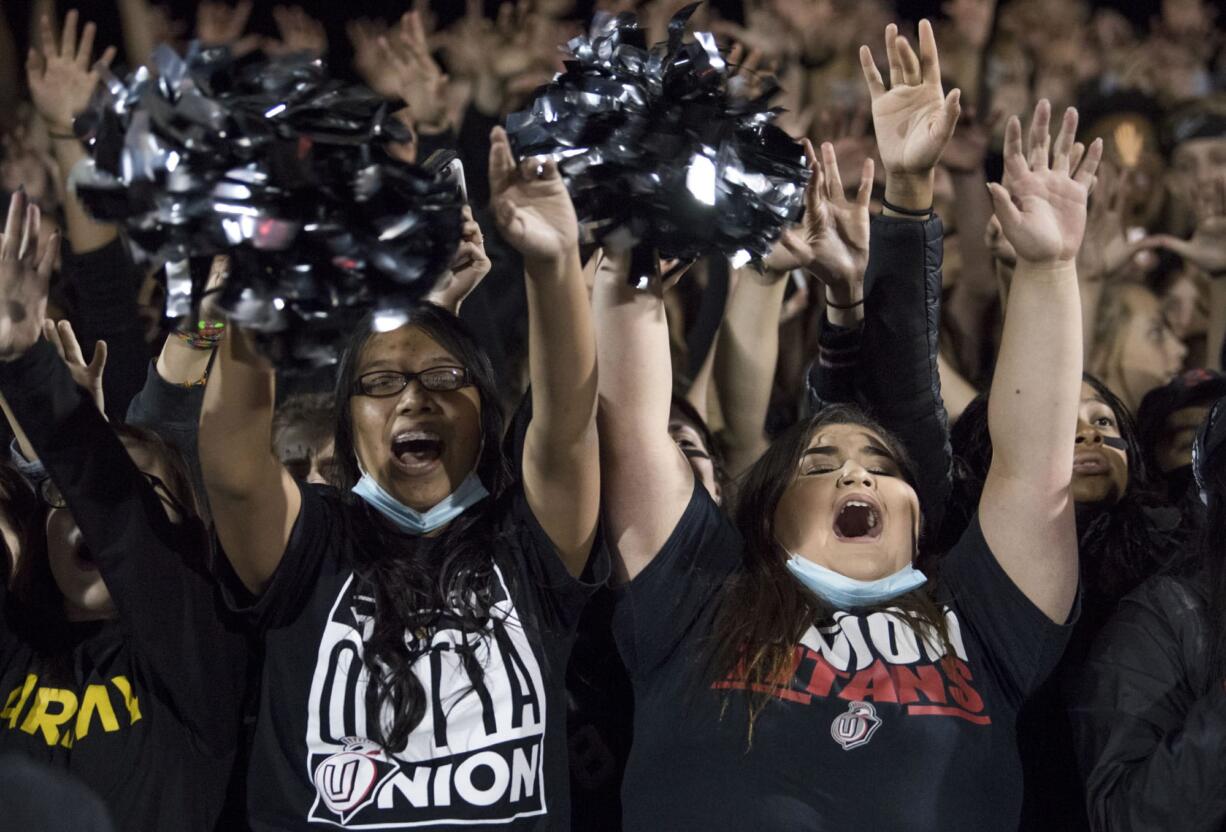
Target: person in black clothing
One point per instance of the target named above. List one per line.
(793, 670)
(1167, 421)
(1149, 708)
(115, 661)
(417, 625)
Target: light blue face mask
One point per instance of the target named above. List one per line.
(470, 492)
(844, 592)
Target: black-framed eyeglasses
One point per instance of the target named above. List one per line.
(382, 384)
(50, 494)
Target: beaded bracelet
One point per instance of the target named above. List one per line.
(206, 336)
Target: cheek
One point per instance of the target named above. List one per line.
(368, 417)
(802, 513)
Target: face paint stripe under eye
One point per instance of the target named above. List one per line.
(1115, 442)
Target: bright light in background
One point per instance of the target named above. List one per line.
(700, 179)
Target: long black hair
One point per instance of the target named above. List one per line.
(764, 611)
(417, 583)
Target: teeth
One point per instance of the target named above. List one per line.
(416, 435)
(872, 520)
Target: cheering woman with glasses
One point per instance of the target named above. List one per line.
(417, 619)
(105, 612)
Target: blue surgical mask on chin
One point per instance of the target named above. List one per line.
(470, 492)
(845, 593)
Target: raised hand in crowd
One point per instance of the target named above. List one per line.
(1107, 248)
(87, 374)
(220, 24)
(1206, 249)
(913, 119)
(418, 79)
(468, 267)
(378, 74)
(63, 76)
(531, 204)
(832, 240)
(1042, 212)
(300, 33)
(25, 277)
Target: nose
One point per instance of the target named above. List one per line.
(1087, 434)
(414, 398)
(1178, 350)
(854, 474)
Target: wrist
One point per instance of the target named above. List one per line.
(910, 191)
(845, 295)
(1054, 268)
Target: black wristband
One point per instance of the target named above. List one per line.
(831, 305)
(906, 212)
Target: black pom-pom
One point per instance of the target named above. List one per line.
(285, 170)
(657, 152)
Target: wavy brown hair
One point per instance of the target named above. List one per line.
(764, 611)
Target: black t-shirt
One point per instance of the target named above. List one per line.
(145, 709)
(874, 732)
(492, 754)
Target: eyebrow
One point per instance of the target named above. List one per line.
(872, 450)
(389, 364)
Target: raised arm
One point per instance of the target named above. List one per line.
(561, 464)
(647, 481)
(254, 500)
(1026, 510)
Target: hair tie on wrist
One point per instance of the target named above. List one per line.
(848, 306)
(906, 212)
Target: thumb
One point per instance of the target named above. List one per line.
(1006, 212)
(950, 111)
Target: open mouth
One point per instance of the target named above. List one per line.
(417, 450)
(857, 520)
(1089, 464)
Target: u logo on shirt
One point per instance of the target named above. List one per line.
(856, 727)
(50, 710)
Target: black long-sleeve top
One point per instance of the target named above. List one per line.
(889, 365)
(146, 711)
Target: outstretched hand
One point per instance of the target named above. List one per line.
(1207, 248)
(300, 33)
(832, 240)
(914, 119)
(531, 204)
(87, 375)
(220, 24)
(419, 80)
(25, 275)
(1043, 211)
(61, 76)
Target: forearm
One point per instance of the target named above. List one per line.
(138, 42)
(910, 191)
(235, 438)
(179, 363)
(561, 350)
(748, 348)
(1032, 412)
(85, 234)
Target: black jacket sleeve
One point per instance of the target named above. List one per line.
(1149, 726)
(831, 378)
(106, 282)
(172, 411)
(896, 379)
(154, 568)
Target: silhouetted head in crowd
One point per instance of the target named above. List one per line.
(59, 583)
(20, 518)
(1167, 423)
(302, 437)
(1134, 350)
(1124, 534)
(694, 438)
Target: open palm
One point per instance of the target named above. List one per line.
(832, 241)
(60, 75)
(531, 203)
(913, 119)
(1043, 211)
(25, 275)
